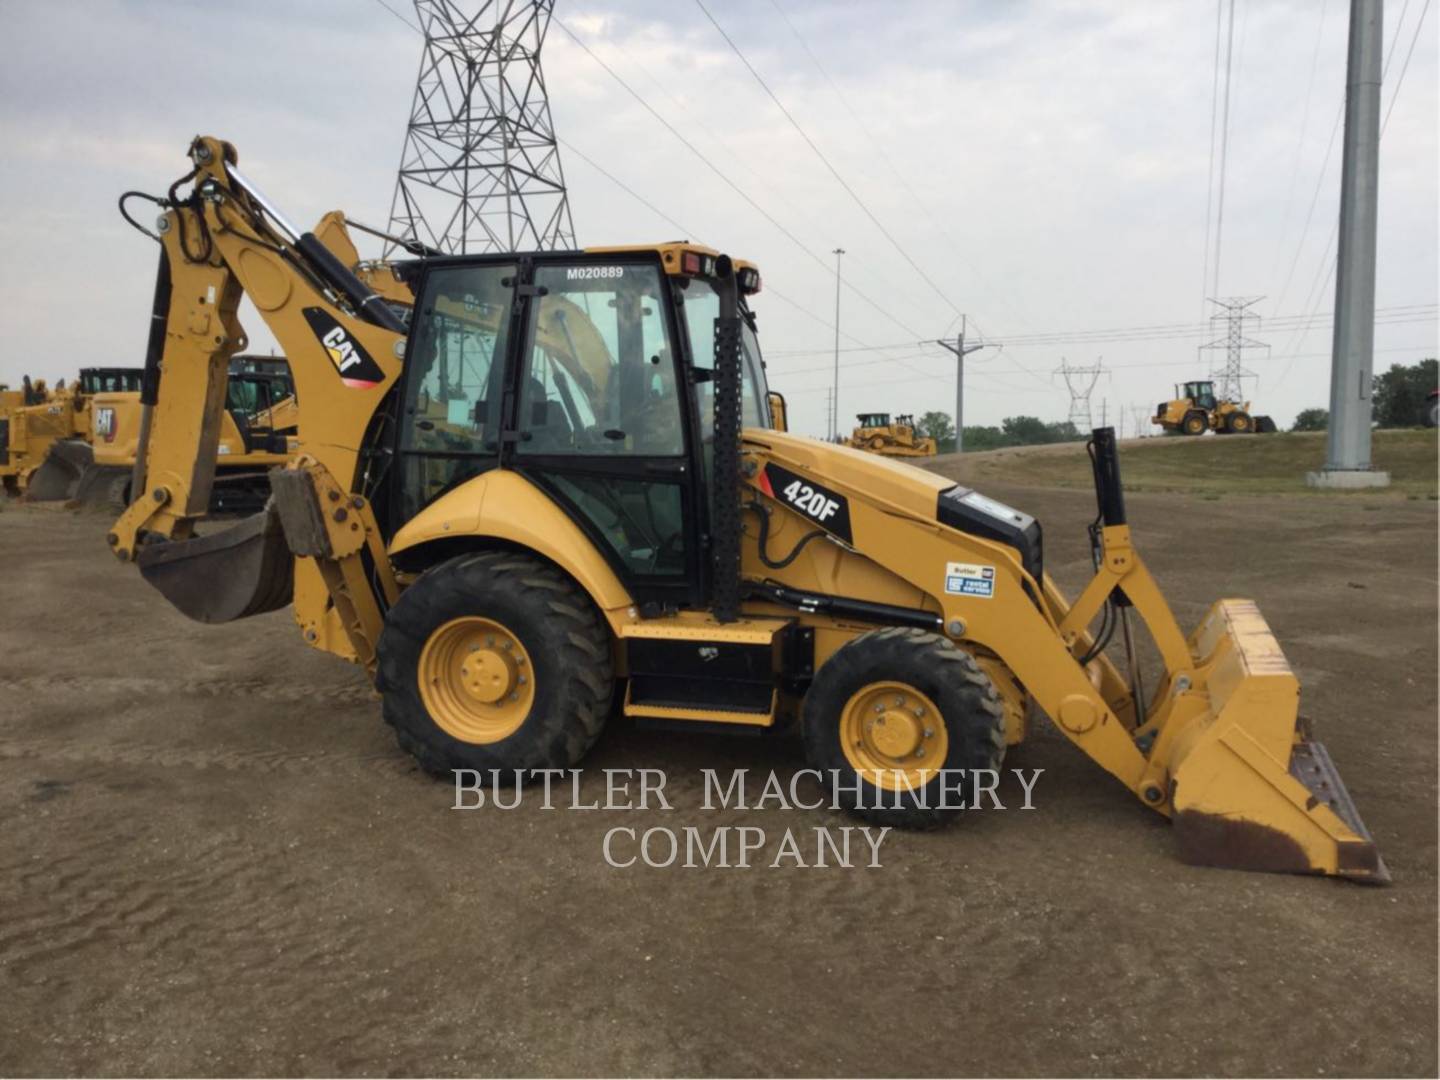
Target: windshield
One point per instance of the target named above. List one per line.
(700, 304)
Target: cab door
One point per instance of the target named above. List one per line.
(601, 423)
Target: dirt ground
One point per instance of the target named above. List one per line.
(214, 860)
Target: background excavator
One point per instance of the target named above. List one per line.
(877, 433)
(532, 488)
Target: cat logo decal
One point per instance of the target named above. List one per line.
(356, 366)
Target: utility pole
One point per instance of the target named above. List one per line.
(961, 350)
(835, 391)
(1352, 363)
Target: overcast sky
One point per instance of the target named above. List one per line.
(1044, 164)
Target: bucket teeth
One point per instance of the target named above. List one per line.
(1311, 764)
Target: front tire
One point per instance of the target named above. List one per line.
(1239, 423)
(495, 660)
(892, 716)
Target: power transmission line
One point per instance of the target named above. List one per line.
(825, 160)
(1327, 266)
(900, 178)
(721, 174)
(1300, 141)
(651, 206)
(1159, 331)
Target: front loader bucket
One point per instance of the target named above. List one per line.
(244, 570)
(58, 476)
(1250, 790)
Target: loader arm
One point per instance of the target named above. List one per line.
(1219, 748)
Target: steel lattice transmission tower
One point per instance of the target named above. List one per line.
(1080, 381)
(481, 170)
(1229, 375)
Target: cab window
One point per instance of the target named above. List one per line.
(454, 380)
(600, 373)
(701, 307)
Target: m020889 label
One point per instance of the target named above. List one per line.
(825, 507)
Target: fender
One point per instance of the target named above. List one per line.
(503, 505)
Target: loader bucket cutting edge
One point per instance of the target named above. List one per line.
(244, 570)
(58, 476)
(1250, 789)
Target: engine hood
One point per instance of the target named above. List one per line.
(906, 488)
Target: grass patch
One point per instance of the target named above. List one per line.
(1211, 466)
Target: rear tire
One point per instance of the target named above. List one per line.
(1194, 424)
(556, 636)
(928, 672)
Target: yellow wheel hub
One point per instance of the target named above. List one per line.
(476, 679)
(893, 736)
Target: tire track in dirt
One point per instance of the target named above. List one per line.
(229, 758)
(258, 689)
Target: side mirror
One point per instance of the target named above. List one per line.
(777, 411)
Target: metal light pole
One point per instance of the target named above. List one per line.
(1352, 364)
(961, 350)
(835, 386)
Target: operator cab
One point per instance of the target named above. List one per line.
(109, 380)
(1202, 393)
(877, 419)
(589, 373)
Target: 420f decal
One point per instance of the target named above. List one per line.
(356, 366)
(828, 509)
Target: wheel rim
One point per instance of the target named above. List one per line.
(476, 679)
(1194, 425)
(1242, 423)
(893, 736)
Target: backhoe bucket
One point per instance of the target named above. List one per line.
(1249, 789)
(241, 571)
(58, 476)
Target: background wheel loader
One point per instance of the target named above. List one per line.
(559, 478)
(1195, 410)
(93, 464)
(878, 434)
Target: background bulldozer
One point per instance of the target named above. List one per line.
(877, 433)
(535, 489)
(1195, 410)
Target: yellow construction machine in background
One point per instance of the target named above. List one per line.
(877, 433)
(1195, 410)
(77, 444)
(532, 489)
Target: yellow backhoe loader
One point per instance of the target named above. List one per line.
(1195, 410)
(878, 434)
(533, 488)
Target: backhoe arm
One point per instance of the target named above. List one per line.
(340, 338)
